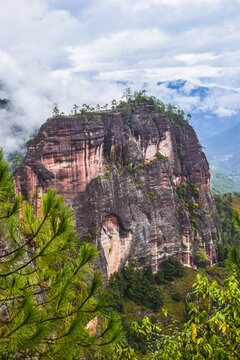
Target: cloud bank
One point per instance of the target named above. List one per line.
(69, 51)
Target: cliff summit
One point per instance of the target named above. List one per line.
(136, 177)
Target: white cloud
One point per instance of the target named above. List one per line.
(222, 112)
(191, 59)
(66, 52)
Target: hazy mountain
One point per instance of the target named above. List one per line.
(221, 183)
(222, 151)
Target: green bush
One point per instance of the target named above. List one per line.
(148, 274)
(172, 267)
(159, 277)
(138, 286)
(115, 300)
(160, 156)
(182, 191)
(180, 151)
(153, 298)
(195, 190)
(176, 297)
(200, 258)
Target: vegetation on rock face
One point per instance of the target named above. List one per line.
(200, 258)
(51, 301)
(230, 235)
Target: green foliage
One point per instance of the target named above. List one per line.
(182, 191)
(92, 232)
(180, 151)
(176, 297)
(55, 111)
(133, 103)
(159, 277)
(212, 331)
(233, 261)
(229, 233)
(123, 353)
(137, 286)
(141, 291)
(195, 191)
(159, 156)
(6, 183)
(115, 294)
(200, 258)
(140, 285)
(171, 268)
(50, 294)
(147, 274)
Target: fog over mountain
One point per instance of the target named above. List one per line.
(67, 52)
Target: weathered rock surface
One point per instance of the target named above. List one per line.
(130, 201)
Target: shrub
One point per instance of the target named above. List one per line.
(159, 277)
(200, 257)
(160, 156)
(115, 300)
(172, 267)
(153, 298)
(180, 151)
(148, 274)
(137, 286)
(195, 190)
(182, 191)
(176, 297)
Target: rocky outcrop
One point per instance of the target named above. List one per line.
(139, 191)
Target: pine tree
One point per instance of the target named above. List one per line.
(52, 305)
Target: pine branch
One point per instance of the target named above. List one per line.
(28, 241)
(30, 261)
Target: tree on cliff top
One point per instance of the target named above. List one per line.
(51, 304)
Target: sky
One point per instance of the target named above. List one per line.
(68, 52)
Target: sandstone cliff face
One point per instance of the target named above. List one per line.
(139, 192)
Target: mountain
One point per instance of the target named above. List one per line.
(210, 122)
(223, 152)
(136, 177)
(221, 183)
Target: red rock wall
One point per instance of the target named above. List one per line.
(109, 172)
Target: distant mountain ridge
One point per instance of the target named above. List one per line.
(222, 151)
(221, 183)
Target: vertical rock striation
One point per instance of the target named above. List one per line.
(139, 191)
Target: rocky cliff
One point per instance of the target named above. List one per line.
(139, 191)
